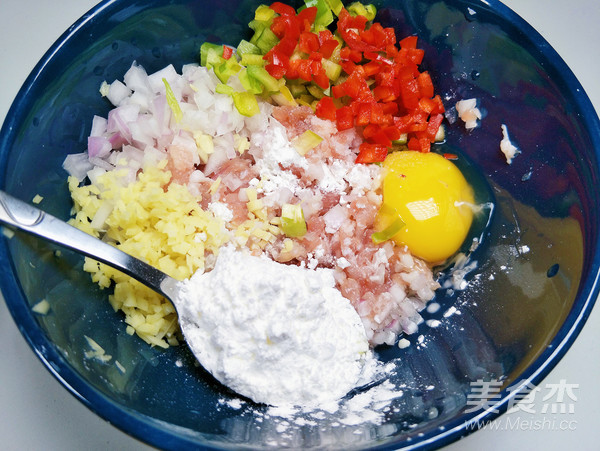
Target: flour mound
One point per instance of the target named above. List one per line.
(278, 334)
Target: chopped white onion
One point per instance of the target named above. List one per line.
(215, 160)
(98, 146)
(168, 73)
(101, 163)
(77, 165)
(118, 92)
(98, 126)
(136, 79)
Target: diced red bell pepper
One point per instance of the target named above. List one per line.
(282, 9)
(285, 26)
(385, 77)
(374, 35)
(439, 105)
(382, 138)
(328, 47)
(309, 43)
(343, 118)
(347, 54)
(377, 116)
(391, 50)
(371, 153)
(392, 132)
(277, 58)
(325, 109)
(303, 68)
(427, 105)
(321, 79)
(417, 127)
(346, 21)
(409, 93)
(227, 52)
(338, 91)
(356, 85)
(362, 116)
(403, 123)
(390, 108)
(433, 126)
(384, 94)
(425, 85)
(286, 46)
(348, 66)
(307, 17)
(371, 68)
(416, 56)
(358, 22)
(275, 71)
(409, 42)
(370, 131)
(390, 40)
(419, 144)
(325, 35)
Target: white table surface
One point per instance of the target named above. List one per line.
(37, 413)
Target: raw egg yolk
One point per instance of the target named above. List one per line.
(429, 194)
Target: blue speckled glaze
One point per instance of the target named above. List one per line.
(515, 330)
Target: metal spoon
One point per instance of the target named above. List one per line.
(32, 220)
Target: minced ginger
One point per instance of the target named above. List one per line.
(154, 220)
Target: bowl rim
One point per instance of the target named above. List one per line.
(152, 431)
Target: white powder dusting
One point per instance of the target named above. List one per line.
(333, 177)
(221, 210)
(272, 151)
(338, 175)
(275, 157)
(451, 311)
(433, 323)
(234, 403)
(369, 406)
(278, 334)
(362, 177)
(354, 415)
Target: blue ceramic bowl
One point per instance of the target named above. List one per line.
(538, 263)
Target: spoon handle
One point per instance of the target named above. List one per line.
(32, 220)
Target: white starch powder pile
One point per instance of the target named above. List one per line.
(278, 334)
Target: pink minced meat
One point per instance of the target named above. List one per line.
(340, 199)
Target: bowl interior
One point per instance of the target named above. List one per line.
(535, 265)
